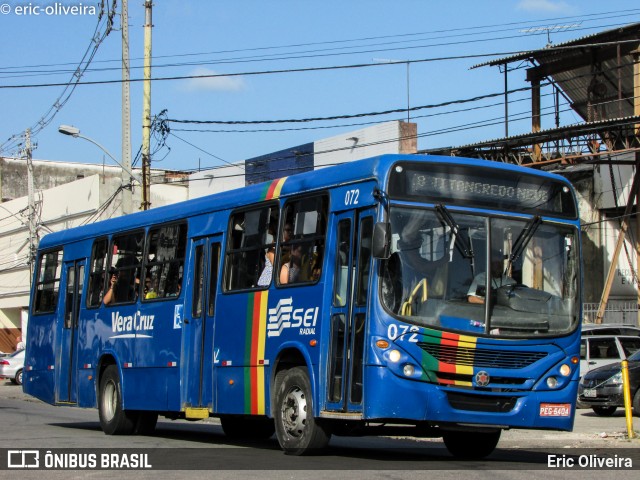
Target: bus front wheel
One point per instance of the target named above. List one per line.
(113, 419)
(471, 445)
(298, 431)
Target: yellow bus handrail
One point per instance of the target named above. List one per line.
(407, 307)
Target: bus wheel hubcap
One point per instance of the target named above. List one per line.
(109, 400)
(294, 412)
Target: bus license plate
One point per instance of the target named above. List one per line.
(589, 393)
(555, 409)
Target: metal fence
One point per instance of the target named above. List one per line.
(617, 312)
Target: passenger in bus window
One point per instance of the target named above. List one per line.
(109, 297)
(149, 290)
(267, 271)
(269, 257)
(290, 271)
(288, 232)
(314, 267)
(177, 290)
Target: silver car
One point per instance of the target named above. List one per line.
(11, 367)
(599, 350)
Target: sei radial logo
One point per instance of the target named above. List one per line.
(284, 315)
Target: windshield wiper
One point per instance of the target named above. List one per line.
(523, 239)
(461, 242)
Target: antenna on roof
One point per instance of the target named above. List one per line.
(551, 28)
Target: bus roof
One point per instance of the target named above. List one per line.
(375, 167)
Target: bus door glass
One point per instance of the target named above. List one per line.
(197, 341)
(66, 367)
(348, 310)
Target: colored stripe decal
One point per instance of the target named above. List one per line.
(254, 373)
(262, 337)
(274, 189)
(452, 366)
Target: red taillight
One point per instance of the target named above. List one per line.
(4, 362)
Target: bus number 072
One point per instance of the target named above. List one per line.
(398, 331)
(351, 197)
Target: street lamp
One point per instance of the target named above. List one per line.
(75, 132)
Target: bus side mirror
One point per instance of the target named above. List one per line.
(381, 240)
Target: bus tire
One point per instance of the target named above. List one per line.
(298, 431)
(471, 445)
(113, 419)
(240, 427)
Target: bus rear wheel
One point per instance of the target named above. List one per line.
(298, 432)
(114, 420)
(471, 445)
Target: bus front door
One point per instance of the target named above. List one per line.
(66, 358)
(354, 231)
(197, 330)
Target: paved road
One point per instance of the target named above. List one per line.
(590, 430)
(28, 423)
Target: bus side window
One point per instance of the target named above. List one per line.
(302, 240)
(97, 275)
(250, 238)
(48, 282)
(126, 258)
(164, 262)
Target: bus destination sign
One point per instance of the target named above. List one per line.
(479, 187)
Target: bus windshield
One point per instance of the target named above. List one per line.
(442, 261)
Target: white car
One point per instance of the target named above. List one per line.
(11, 367)
(599, 350)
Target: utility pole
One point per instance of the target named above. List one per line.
(146, 110)
(126, 113)
(30, 199)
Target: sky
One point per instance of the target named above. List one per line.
(276, 60)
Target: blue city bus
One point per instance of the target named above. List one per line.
(349, 300)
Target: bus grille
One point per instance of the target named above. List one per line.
(480, 357)
(476, 403)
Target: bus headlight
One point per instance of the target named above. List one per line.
(394, 356)
(565, 370)
(552, 382)
(408, 370)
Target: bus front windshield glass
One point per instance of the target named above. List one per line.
(484, 275)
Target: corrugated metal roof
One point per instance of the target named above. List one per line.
(568, 131)
(594, 72)
(556, 49)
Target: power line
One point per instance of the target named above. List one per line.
(313, 69)
(380, 113)
(202, 150)
(70, 86)
(318, 53)
(342, 117)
